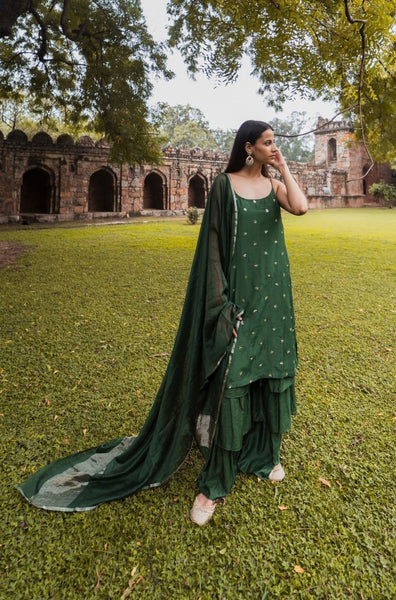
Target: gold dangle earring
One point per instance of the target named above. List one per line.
(249, 161)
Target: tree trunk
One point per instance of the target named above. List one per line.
(10, 10)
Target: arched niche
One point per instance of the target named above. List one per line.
(332, 151)
(37, 191)
(365, 186)
(102, 191)
(154, 191)
(197, 187)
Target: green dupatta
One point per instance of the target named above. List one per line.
(187, 403)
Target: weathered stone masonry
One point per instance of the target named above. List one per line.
(342, 163)
(66, 180)
(49, 180)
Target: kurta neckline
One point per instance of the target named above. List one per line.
(272, 191)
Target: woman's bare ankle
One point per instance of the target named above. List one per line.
(204, 500)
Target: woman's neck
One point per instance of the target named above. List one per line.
(253, 172)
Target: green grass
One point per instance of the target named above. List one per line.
(88, 316)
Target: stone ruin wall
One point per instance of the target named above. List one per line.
(79, 182)
(337, 152)
(69, 168)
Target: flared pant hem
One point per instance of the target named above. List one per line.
(248, 438)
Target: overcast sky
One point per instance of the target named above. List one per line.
(225, 107)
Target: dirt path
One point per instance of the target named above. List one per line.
(10, 252)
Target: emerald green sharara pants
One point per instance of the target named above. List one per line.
(249, 434)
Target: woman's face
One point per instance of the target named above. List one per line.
(264, 149)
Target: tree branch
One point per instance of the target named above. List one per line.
(42, 51)
(362, 34)
(349, 16)
(63, 18)
(294, 135)
(360, 86)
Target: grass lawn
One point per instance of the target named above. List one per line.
(88, 317)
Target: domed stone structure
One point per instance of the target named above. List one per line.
(65, 140)
(42, 139)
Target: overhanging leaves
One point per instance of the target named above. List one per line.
(86, 60)
(335, 49)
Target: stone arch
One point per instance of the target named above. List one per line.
(102, 191)
(197, 188)
(37, 191)
(332, 151)
(154, 191)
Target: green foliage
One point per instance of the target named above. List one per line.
(15, 113)
(192, 215)
(224, 138)
(336, 49)
(288, 139)
(384, 191)
(90, 62)
(183, 126)
(89, 316)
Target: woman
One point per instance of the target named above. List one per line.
(259, 386)
(230, 379)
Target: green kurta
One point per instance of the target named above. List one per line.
(265, 348)
(260, 284)
(189, 399)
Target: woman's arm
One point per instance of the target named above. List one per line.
(289, 195)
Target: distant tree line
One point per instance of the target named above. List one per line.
(187, 126)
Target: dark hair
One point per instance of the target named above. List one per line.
(249, 131)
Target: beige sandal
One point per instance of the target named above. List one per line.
(201, 514)
(277, 473)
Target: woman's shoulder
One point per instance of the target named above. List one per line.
(276, 184)
(221, 183)
(221, 178)
(220, 194)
